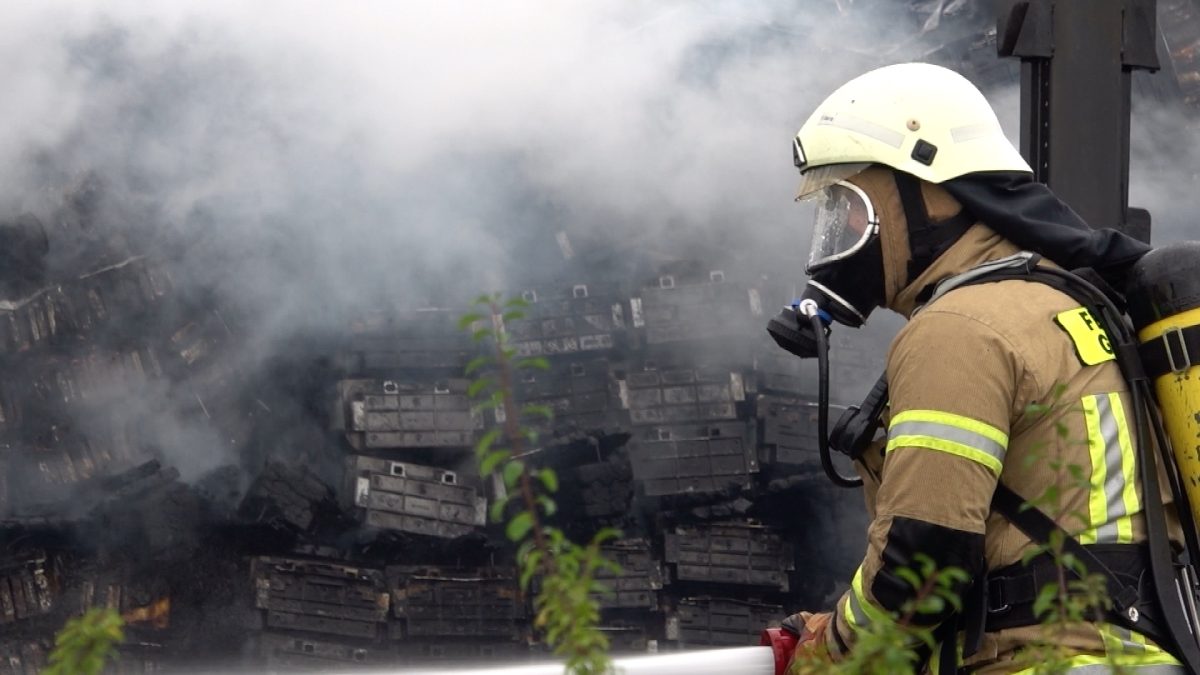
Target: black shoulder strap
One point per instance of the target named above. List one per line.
(926, 239)
(1179, 636)
(1040, 528)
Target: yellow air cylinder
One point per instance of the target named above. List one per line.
(1164, 300)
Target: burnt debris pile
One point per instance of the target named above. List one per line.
(315, 502)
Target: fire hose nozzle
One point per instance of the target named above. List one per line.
(783, 646)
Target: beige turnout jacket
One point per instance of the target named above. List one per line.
(1008, 381)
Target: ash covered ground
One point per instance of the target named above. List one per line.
(235, 247)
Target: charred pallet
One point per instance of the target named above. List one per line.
(568, 322)
(53, 386)
(380, 344)
(28, 588)
(729, 553)
(155, 517)
(406, 414)
(78, 308)
(286, 497)
(583, 395)
(714, 621)
(435, 603)
(144, 601)
(788, 432)
(288, 652)
(320, 598)
(678, 308)
(61, 488)
(660, 394)
(640, 580)
(24, 657)
(688, 459)
(412, 498)
(604, 490)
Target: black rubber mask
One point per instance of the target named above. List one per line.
(846, 292)
(849, 291)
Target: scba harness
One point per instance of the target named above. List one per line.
(1152, 591)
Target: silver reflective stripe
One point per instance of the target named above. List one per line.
(1125, 637)
(950, 433)
(860, 617)
(864, 127)
(1105, 669)
(1114, 484)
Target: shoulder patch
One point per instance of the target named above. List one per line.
(1092, 344)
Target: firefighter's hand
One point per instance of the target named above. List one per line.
(810, 654)
(809, 629)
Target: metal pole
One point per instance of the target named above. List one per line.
(1077, 62)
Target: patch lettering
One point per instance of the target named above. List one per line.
(1092, 344)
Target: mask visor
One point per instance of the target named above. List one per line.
(844, 223)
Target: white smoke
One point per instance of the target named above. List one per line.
(304, 160)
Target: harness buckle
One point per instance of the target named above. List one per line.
(1185, 360)
(995, 594)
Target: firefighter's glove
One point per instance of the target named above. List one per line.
(809, 629)
(810, 655)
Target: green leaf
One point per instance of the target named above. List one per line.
(465, 321)
(534, 362)
(475, 364)
(485, 442)
(482, 334)
(547, 504)
(519, 526)
(538, 411)
(525, 549)
(478, 386)
(530, 568)
(605, 534)
(909, 576)
(513, 315)
(931, 604)
(492, 460)
(1045, 600)
(516, 301)
(549, 479)
(496, 510)
(512, 472)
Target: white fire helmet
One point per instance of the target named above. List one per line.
(918, 118)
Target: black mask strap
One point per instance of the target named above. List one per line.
(926, 239)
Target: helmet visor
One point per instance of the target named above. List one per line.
(821, 177)
(844, 223)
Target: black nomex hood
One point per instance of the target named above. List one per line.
(1029, 215)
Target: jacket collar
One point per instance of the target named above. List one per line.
(978, 245)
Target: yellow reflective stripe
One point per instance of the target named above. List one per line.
(1112, 500)
(1118, 640)
(950, 419)
(1124, 649)
(1097, 507)
(953, 434)
(1106, 665)
(1129, 494)
(859, 611)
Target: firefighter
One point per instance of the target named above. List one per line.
(915, 185)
